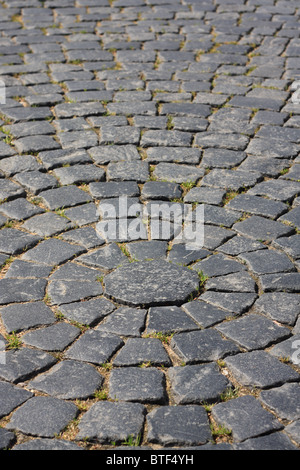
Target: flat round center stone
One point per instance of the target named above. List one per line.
(151, 283)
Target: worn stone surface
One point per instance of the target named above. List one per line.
(43, 416)
(20, 364)
(253, 332)
(52, 338)
(138, 351)
(106, 422)
(138, 385)
(47, 444)
(163, 426)
(95, 347)
(197, 384)
(11, 397)
(20, 317)
(68, 380)
(178, 102)
(151, 283)
(202, 346)
(260, 369)
(245, 417)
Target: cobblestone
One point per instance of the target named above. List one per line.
(144, 340)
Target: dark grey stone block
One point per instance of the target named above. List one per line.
(78, 139)
(292, 217)
(143, 108)
(163, 426)
(220, 216)
(83, 214)
(10, 190)
(233, 179)
(79, 174)
(146, 250)
(26, 269)
(21, 114)
(52, 338)
(221, 158)
(151, 283)
(175, 173)
(260, 369)
(260, 228)
(186, 109)
(287, 349)
(43, 416)
(234, 302)
(257, 206)
(245, 417)
(105, 258)
(181, 254)
(20, 209)
(168, 320)
(47, 444)
(21, 290)
(197, 384)
(73, 271)
(284, 401)
(69, 380)
(279, 190)
(84, 236)
(267, 262)
(128, 171)
(218, 265)
(236, 282)
(241, 244)
(267, 166)
(138, 351)
(105, 154)
(202, 346)
(56, 158)
(293, 431)
(284, 282)
(68, 291)
(280, 306)
(276, 441)
(119, 135)
(114, 189)
(138, 385)
(221, 141)
(13, 241)
(21, 364)
(35, 144)
(161, 190)
(95, 346)
(68, 110)
(7, 438)
(205, 195)
(34, 128)
(35, 181)
(205, 314)
(88, 312)
(11, 398)
(124, 321)
(18, 164)
(173, 155)
(24, 316)
(108, 422)
(47, 224)
(253, 331)
(66, 196)
(53, 252)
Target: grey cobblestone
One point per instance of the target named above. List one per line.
(153, 344)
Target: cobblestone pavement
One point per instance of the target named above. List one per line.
(109, 342)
